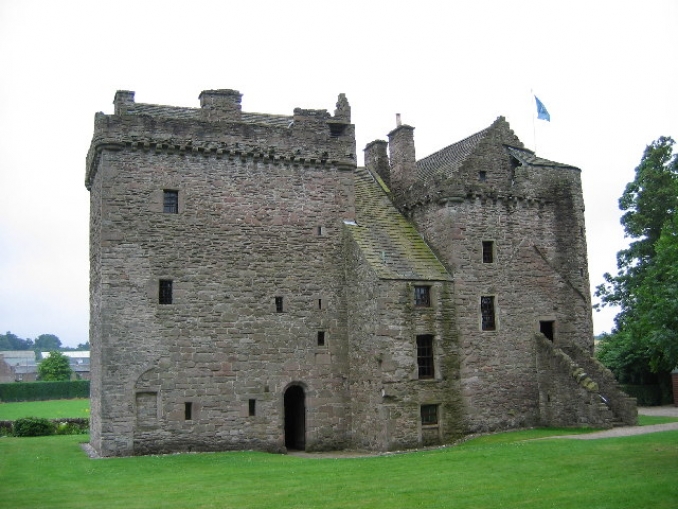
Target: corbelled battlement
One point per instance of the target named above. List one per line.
(309, 136)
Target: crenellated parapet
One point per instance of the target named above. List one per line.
(221, 129)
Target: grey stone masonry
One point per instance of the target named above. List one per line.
(251, 288)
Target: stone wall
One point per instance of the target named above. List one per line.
(250, 227)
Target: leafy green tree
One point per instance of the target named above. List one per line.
(11, 341)
(47, 342)
(55, 368)
(645, 285)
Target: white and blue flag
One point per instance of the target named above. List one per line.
(542, 112)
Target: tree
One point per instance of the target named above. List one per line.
(646, 285)
(47, 342)
(11, 341)
(55, 368)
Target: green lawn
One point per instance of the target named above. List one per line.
(632, 472)
(53, 409)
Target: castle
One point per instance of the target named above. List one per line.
(253, 288)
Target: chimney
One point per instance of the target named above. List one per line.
(376, 160)
(123, 99)
(403, 162)
(221, 104)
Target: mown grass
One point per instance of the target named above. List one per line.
(53, 409)
(490, 472)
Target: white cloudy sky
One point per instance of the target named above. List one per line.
(606, 70)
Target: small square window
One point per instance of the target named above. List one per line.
(488, 251)
(278, 304)
(429, 414)
(188, 411)
(170, 201)
(422, 296)
(482, 176)
(165, 291)
(252, 407)
(321, 338)
(487, 314)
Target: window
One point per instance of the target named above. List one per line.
(188, 411)
(320, 231)
(252, 407)
(482, 176)
(429, 414)
(170, 201)
(278, 304)
(422, 296)
(321, 338)
(488, 251)
(487, 314)
(547, 328)
(425, 356)
(165, 291)
(320, 303)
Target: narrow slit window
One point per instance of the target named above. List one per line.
(488, 251)
(165, 291)
(278, 304)
(425, 356)
(188, 411)
(321, 338)
(320, 303)
(320, 231)
(429, 415)
(422, 296)
(487, 313)
(170, 201)
(252, 407)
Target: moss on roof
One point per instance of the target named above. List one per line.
(390, 244)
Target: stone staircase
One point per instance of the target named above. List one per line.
(577, 390)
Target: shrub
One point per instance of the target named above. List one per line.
(33, 427)
(38, 391)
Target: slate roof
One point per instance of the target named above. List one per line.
(448, 160)
(179, 113)
(390, 243)
(526, 156)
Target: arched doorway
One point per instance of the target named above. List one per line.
(295, 418)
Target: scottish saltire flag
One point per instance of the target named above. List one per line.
(542, 112)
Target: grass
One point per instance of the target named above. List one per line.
(501, 471)
(505, 470)
(53, 409)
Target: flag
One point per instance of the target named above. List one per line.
(542, 112)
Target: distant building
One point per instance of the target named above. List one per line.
(79, 362)
(253, 288)
(18, 366)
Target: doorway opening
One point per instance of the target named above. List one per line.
(295, 418)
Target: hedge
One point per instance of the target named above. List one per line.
(40, 391)
(69, 426)
(646, 395)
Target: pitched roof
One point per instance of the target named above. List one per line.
(449, 159)
(526, 156)
(390, 244)
(180, 113)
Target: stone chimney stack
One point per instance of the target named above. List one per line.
(376, 160)
(403, 161)
(221, 104)
(123, 99)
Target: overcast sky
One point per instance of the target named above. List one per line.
(606, 71)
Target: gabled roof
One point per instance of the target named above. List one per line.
(180, 113)
(449, 159)
(528, 157)
(390, 244)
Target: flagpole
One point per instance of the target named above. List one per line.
(534, 129)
